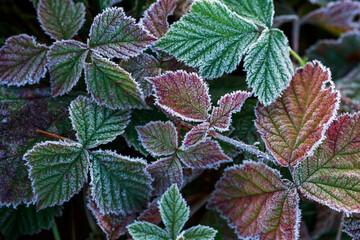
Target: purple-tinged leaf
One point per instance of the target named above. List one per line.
(165, 172)
(158, 138)
(57, 171)
(182, 94)
(338, 16)
(111, 85)
(257, 203)
(113, 225)
(207, 154)
(114, 34)
(119, 184)
(141, 66)
(171, 64)
(22, 61)
(295, 124)
(155, 18)
(196, 135)
(152, 213)
(332, 175)
(66, 60)
(352, 225)
(228, 104)
(61, 19)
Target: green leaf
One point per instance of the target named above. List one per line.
(61, 19)
(174, 211)
(119, 184)
(211, 37)
(66, 60)
(58, 170)
(268, 65)
(200, 233)
(261, 12)
(147, 231)
(111, 85)
(96, 124)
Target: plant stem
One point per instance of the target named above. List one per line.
(339, 233)
(297, 57)
(52, 135)
(199, 205)
(295, 35)
(55, 231)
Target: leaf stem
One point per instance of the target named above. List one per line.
(339, 233)
(199, 205)
(52, 135)
(55, 231)
(297, 57)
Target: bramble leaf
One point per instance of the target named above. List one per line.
(58, 170)
(147, 231)
(61, 19)
(114, 34)
(158, 138)
(22, 61)
(119, 184)
(228, 104)
(200, 233)
(196, 135)
(259, 11)
(111, 85)
(182, 94)
(66, 60)
(155, 18)
(151, 213)
(211, 37)
(352, 225)
(257, 203)
(103, 4)
(96, 124)
(332, 176)
(268, 65)
(294, 125)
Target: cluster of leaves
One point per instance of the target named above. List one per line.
(147, 82)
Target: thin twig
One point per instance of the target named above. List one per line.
(339, 233)
(55, 231)
(296, 35)
(52, 135)
(199, 205)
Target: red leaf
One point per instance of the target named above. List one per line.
(196, 135)
(152, 213)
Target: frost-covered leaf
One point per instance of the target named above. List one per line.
(147, 231)
(332, 175)
(200, 233)
(96, 124)
(22, 61)
(155, 18)
(57, 170)
(228, 104)
(352, 225)
(111, 85)
(25, 220)
(207, 154)
(338, 16)
(182, 94)
(196, 135)
(349, 85)
(103, 4)
(165, 172)
(211, 37)
(295, 124)
(152, 213)
(114, 34)
(260, 12)
(257, 203)
(113, 225)
(268, 65)
(174, 211)
(158, 138)
(119, 184)
(61, 19)
(66, 60)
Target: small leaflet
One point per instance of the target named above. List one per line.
(96, 124)
(114, 34)
(199, 233)
(155, 18)
(336, 16)
(207, 154)
(257, 202)
(57, 170)
(61, 19)
(331, 176)
(268, 65)
(112, 86)
(352, 225)
(211, 37)
(147, 231)
(22, 61)
(295, 124)
(158, 138)
(66, 60)
(228, 104)
(259, 11)
(183, 94)
(196, 135)
(119, 184)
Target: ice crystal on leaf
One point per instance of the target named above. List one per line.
(295, 124)
(196, 135)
